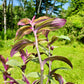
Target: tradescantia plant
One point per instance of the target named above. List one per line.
(42, 25)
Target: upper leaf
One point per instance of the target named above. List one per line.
(51, 23)
(24, 21)
(23, 31)
(58, 58)
(20, 45)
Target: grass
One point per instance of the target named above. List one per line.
(73, 51)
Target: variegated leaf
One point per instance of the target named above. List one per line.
(20, 45)
(24, 21)
(23, 31)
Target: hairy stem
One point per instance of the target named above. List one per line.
(39, 56)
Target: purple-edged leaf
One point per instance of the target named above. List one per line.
(23, 31)
(57, 22)
(58, 78)
(53, 39)
(51, 23)
(40, 19)
(44, 24)
(20, 45)
(3, 60)
(24, 21)
(36, 82)
(61, 58)
(69, 83)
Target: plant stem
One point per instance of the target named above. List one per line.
(50, 63)
(39, 56)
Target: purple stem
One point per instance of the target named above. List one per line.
(39, 56)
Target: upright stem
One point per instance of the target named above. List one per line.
(50, 63)
(39, 56)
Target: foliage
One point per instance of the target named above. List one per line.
(9, 34)
(75, 26)
(42, 25)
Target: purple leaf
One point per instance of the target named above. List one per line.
(57, 22)
(58, 78)
(3, 60)
(20, 45)
(58, 58)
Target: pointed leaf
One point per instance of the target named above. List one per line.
(20, 45)
(58, 78)
(34, 74)
(49, 22)
(40, 19)
(64, 37)
(23, 31)
(24, 21)
(14, 63)
(58, 58)
(53, 71)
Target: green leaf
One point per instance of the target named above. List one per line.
(14, 63)
(34, 74)
(20, 45)
(20, 81)
(64, 37)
